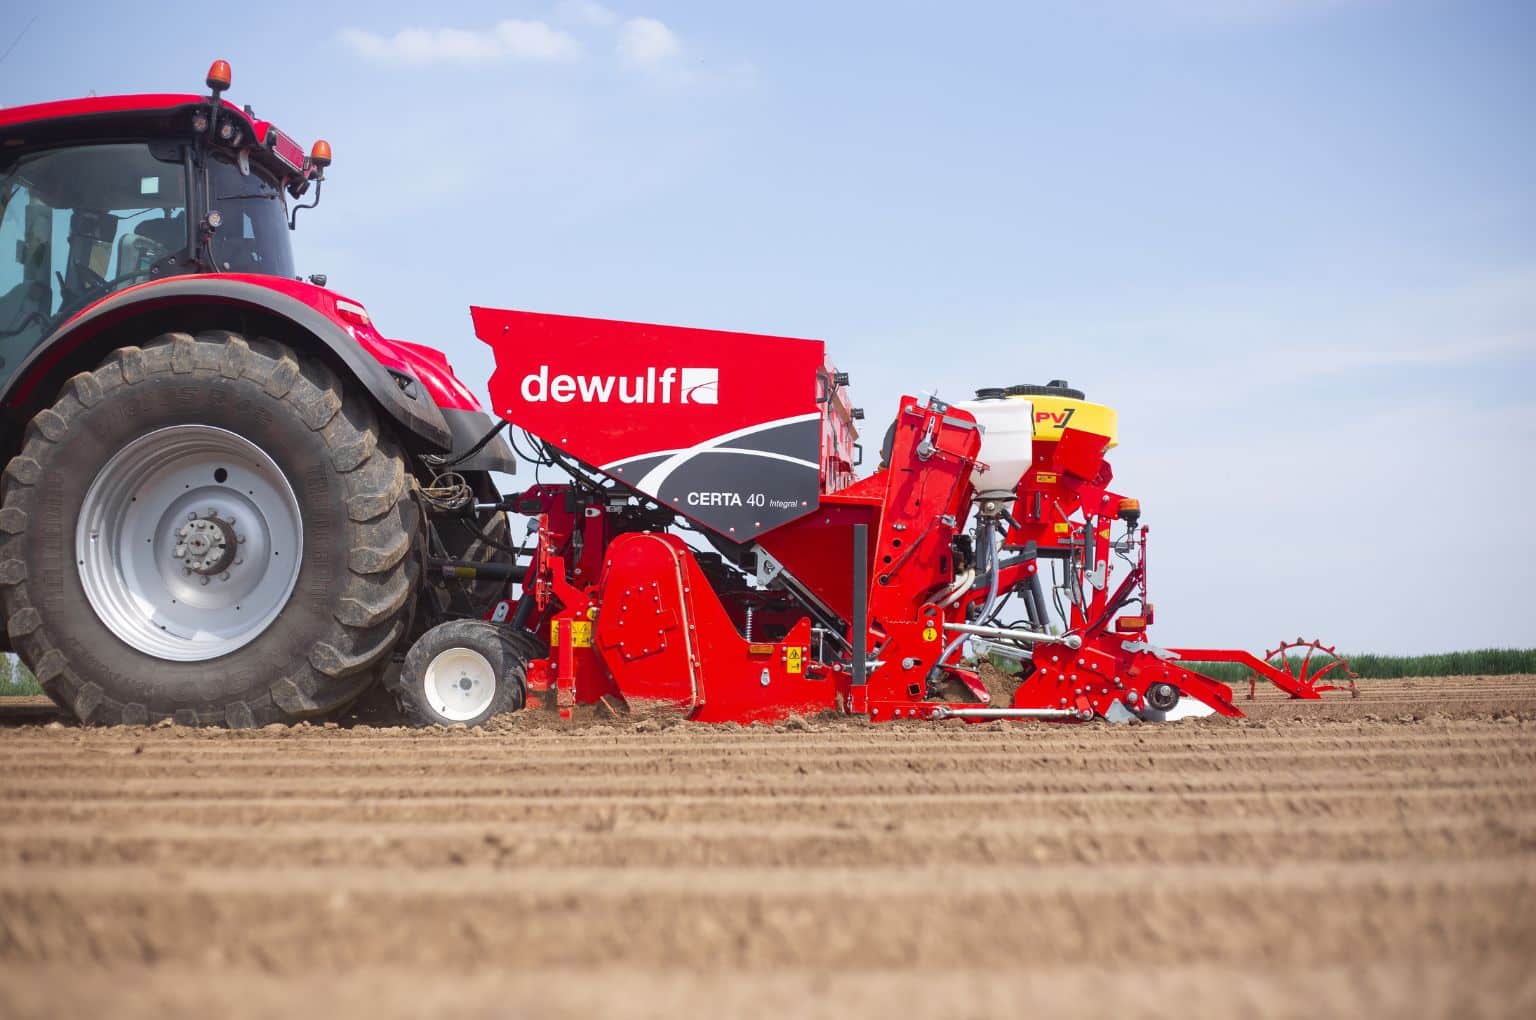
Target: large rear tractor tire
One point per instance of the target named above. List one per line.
(207, 529)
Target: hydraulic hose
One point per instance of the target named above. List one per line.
(989, 609)
(484, 440)
(990, 606)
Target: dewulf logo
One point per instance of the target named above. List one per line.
(686, 385)
(701, 385)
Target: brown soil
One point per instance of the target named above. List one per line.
(1359, 856)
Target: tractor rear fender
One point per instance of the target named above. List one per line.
(413, 386)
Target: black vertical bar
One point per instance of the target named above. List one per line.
(860, 603)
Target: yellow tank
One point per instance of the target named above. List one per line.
(1052, 414)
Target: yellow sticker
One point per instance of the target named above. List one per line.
(930, 633)
(554, 634)
(793, 662)
(581, 633)
(1063, 529)
(1046, 478)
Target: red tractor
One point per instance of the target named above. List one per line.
(212, 504)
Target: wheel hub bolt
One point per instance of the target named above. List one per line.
(206, 545)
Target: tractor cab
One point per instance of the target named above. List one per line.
(104, 193)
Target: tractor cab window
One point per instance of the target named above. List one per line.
(254, 235)
(78, 223)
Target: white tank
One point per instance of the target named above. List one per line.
(1007, 441)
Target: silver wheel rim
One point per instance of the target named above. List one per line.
(189, 543)
(460, 684)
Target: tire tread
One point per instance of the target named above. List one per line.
(383, 574)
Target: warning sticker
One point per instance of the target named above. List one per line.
(930, 633)
(580, 630)
(794, 661)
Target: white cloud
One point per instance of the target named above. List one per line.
(512, 39)
(422, 45)
(639, 43)
(534, 40)
(587, 13)
(647, 43)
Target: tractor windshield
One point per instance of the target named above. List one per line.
(78, 223)
(253, 237)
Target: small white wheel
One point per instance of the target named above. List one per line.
(460, 684)
(461, 673)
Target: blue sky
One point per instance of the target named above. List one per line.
(1293, 241)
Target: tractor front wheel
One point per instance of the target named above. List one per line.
(207, 529)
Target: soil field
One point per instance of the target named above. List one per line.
(1365, 856)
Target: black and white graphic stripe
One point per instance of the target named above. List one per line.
(739, 483)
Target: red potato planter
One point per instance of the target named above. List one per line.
(823, 591)
(229, 499)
